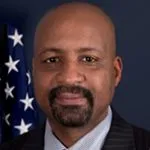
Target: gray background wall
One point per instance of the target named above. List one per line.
(132, 20)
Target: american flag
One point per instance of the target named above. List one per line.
(17, 99)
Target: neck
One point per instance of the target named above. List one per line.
(69, 136)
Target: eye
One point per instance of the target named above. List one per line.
(52, 60)
(89, 59)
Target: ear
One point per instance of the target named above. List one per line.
(118, 67)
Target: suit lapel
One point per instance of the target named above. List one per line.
(35, 140)
(120, 136)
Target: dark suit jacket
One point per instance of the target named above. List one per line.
(122, 136)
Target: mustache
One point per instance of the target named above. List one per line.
(73, 89)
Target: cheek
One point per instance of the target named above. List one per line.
(42, 82)
(102, 88)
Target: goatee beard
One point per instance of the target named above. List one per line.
(71, 115)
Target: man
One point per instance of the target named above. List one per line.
(75, 72)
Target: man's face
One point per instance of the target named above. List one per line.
(75, 72)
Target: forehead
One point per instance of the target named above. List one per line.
(65, 31)
(70, 35)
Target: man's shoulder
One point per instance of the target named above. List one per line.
(141, 135)
(31, 140)
(16, 142)
(119, 120)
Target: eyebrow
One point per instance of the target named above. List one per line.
(60, 51)
(88, 49)
(53, 50)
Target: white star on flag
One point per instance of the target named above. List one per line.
(27, 102)
(29, 77)
(12, 64)
(8, 90)
(23, 128)
(6, 119)
(16, 38)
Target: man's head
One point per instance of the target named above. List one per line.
(75, 67)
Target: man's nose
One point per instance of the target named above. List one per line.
(70, 74)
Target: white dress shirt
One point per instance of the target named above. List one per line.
(91, 141)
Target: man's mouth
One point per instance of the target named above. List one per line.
(70, 99)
